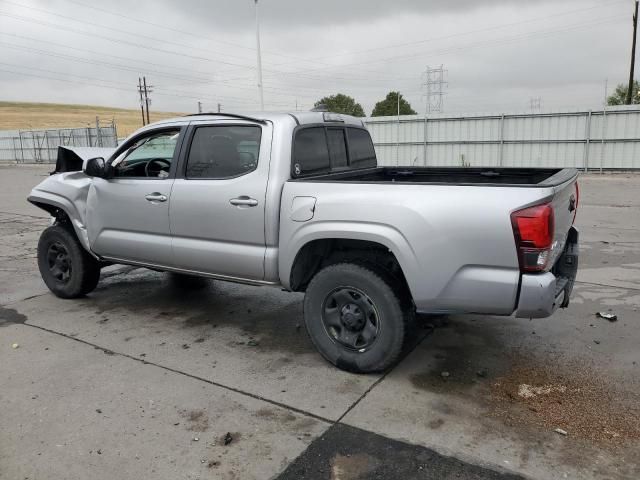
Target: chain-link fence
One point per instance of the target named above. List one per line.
(41, 146)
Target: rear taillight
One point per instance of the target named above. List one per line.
(533, 230)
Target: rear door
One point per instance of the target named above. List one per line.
(217, 210)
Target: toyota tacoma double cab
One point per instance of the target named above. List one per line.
(298, 201)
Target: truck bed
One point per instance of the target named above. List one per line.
(499, 177)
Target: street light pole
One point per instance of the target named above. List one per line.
(633, 54)
(259, 58)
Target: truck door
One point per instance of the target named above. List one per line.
(217, 210)
(128, 214)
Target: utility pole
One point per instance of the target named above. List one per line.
(633, 54)
(141, 100)
(259, 58)
(199, 107)
(398, 130)
(147, 91)
(219, 107)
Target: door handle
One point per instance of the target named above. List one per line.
(156, 197)
(244, 201)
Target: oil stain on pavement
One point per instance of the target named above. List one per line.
(9, 316)
(348, 453)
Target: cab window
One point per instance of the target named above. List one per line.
(220, 152)
(149, 157)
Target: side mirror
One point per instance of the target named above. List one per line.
(96, 167)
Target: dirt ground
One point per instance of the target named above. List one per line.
(22, 115)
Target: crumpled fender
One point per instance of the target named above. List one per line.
(68, 192)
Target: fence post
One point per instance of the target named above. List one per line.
(21, 147)
(501, 157)
(48, 147)
(604, 134)
(587, 142)
(98, 136)
(35, 149)
(114, 131)
(424, 159)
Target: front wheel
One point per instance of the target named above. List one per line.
(65, 266)
(355, 318)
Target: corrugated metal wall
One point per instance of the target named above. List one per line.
(583, 139)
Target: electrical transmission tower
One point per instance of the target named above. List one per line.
(535, 103)
(435, 85)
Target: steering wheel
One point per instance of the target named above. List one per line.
(155, 166)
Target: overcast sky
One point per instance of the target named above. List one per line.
(498, 53)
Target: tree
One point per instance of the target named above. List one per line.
(619, 97)
(341, 103)
(389, 106)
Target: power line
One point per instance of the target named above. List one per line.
(137, 61)
(167, 93)
(469, 32)
(135, 34)
(281, 92)
(125, 42)
(474, 45)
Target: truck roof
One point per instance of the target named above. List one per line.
(301, 118)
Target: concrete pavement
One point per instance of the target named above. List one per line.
(167, 363)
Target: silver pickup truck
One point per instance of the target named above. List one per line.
(298, 201)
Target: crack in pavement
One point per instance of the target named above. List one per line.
(233, 389)
(195, 377)
(607, 285)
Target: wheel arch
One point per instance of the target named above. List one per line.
(64, 212)
(386, 250)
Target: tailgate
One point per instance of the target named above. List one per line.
(565, 204)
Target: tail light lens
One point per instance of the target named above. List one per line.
(533, 230)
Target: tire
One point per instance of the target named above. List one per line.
(65, 266)
(344, 301)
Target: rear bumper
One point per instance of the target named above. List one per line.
(538, 296)
(542, 294)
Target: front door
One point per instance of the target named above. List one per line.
(128, 214)
(217, 206)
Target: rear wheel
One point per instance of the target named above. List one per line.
(65, 266)
(355, 319)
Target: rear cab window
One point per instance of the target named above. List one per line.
(223, 151)
(320, 149)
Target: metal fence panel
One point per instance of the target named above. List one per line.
(41, 146)
(598, 139)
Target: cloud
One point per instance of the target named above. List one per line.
(498, 52)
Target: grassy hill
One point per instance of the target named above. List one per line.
(24, 115)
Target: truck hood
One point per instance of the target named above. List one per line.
(72, 159)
